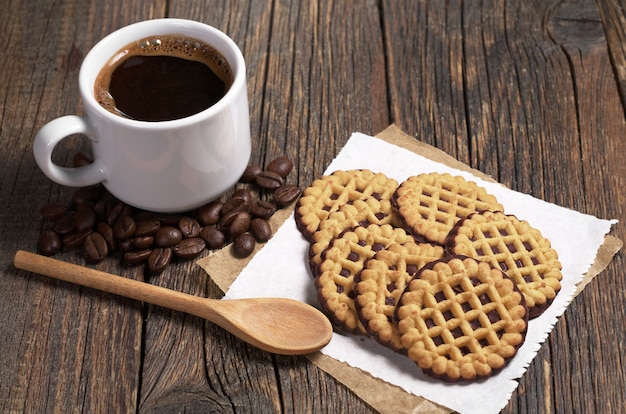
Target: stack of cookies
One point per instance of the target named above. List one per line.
(431, 267)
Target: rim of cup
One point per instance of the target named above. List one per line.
(108, 46)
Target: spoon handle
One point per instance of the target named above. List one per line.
(106, 282)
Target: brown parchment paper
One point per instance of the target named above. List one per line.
(224, 268)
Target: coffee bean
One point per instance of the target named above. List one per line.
(101, 209)
(49, 243)
(136, 256)
(95, 247)
(281, 166)
(169, 219)
(243, 246)
(115, 210)
(235, 204)
(236, 223)
(250, 173)
(210, 214)
(213, 237)
(167, 236)
(76, 238)
(143, 242)
(262, 209)
(189, 227)
(53, 211)
(261, 230)
(146, 226)
(286, 194)
(189, 248)
(125, 245)
(65, 224)
(243, 193)
(107, 232)
(124, 228)
(159, 259)
(85, 219)
(269, 180)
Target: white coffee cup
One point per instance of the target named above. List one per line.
(166, 166)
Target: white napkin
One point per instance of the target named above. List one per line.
(280, 270)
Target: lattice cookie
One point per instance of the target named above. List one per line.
(381, 282)
(517, 248)
(328, 193)
(355, 213)
(341, 261)
(431, 204)
(461, 319)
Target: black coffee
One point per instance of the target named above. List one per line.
(163, 78)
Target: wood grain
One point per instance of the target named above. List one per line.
(531, 93)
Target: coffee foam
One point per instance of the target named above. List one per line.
(163, 45)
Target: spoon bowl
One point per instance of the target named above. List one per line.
(277, 325)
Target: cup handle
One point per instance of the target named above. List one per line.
(49, 136)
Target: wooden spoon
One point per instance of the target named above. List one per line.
(277, 325)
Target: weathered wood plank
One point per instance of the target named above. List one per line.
(63, 348)
(524, 91)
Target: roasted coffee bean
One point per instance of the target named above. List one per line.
(124, 228)
(101, 209)
(169, 219)
(49, 243)
(189, 248)
(235, 204)
(146, 226)
(286, 194)
(85, 205)
(243, 246)
(76, 238)
(235, 223)
(143, 242)
(143, 215)
(189, 227)
(243, 193)
(210, 214)
(269, 180)
(159, 259)
(53, 211)
(85, 219)
(95, 247)
(250, 173)
(168, 236)
(262, 209)
(261, 230)
(213, 237)
(125, 245)
(65, 224)
(115, 210)
(137, 256)
(107, 232)
(280, 165)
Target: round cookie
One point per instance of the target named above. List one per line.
(328, 193)
(380, 283)
(431, 204)
(341, 261)
(514, 246)
(356, 213)
(461, 319)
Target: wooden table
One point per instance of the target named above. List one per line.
(531, 93)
